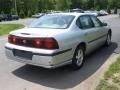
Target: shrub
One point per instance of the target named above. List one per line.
(22, 14)
(115, 10)
(29, 14)
(108, 10)
(2, 13)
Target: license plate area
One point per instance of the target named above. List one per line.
(22, 54)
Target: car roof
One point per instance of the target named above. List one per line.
(69, 13)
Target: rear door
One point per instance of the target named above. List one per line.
(89, 31)
(101, 30)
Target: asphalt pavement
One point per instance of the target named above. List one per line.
(18, 76)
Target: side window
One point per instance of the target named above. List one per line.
(96, 21)
(86, 22)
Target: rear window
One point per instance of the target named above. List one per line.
(53, 21)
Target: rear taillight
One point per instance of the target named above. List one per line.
(12, 39)
(38, 43)
(44, 43)
(50, 43)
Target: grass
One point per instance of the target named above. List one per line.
(114, 68)
(111, 79)
(104, 85)
(6, 28)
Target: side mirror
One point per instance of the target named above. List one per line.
(104, 24)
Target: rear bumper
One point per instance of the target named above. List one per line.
(52, 60)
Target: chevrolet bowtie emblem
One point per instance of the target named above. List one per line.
(24, 41)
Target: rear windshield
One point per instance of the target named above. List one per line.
(53, 21)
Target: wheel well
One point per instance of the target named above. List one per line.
(110, 31)
(83, 44)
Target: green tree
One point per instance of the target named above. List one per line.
(76, 4)
(62, 4)
(13, 11)
(36, 6)
(5, 6)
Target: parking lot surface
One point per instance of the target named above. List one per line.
(18, 76)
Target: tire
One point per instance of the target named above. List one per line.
(78, 58)
(108, 40)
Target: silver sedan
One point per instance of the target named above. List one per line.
(58, 39)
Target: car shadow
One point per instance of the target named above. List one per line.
(64, 77)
